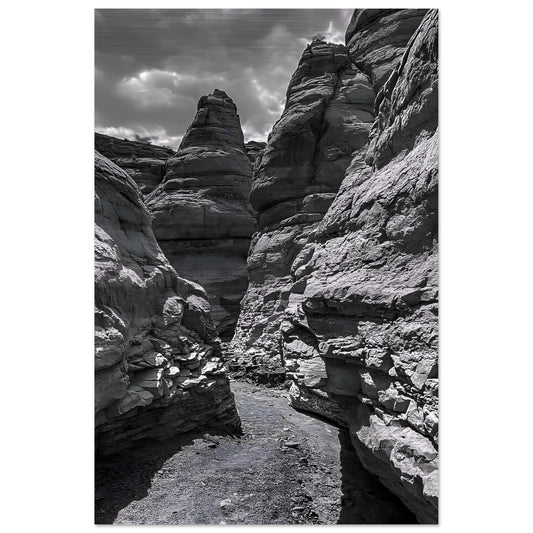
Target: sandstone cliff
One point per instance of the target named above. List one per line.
(328, 115)
(157, 359)
(253, 149)
(377, 39)
(144, 162)
(370, 297)
(203, 220)
(343, 271)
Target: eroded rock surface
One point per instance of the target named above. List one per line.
(377, 39)
(343, 298)
(328, 115)
(144, 162)
(253, 148)
(158, 366)
(370, 297)
(202, 216)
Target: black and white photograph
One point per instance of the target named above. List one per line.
(266, 268)
(266, 265)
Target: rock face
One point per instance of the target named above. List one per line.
(203, 220)
(328, 115)
(157, 360)
(144, 162)
(370, 299)
(343, 271)
(377, 39)
(253, 148)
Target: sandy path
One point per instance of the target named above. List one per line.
(253, 479)
(284, 469)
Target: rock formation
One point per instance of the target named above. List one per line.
(202, 216)
(373, 309)
(377, 39)
(157, 360)
(328, 115)
(253, 149)
(144, 162)
(341, 279)
(343, 271)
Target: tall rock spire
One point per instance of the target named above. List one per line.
(202, 216)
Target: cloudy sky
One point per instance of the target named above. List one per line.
(152, 65)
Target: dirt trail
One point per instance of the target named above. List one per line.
(284, 469)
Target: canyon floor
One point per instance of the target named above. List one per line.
(285, 468)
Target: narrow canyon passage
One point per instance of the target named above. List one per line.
(285, 468)
(308, 261)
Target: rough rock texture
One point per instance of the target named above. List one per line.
(202, 216)
(144, 162)
(253, 148)
(370, 298)
(345, 301)
(157, 356)
(377, 39)
(327, 116)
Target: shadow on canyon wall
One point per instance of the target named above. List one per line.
(364, 499)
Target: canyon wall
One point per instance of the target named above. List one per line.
(371, 297)
(376, 39)
(144, 162)
(340, 278)
(328, 114)
(343, 270)
(158, 364)
(253, 149)
(203, 220)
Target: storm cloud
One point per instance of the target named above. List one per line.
(152, 65)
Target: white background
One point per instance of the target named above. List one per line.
(47, 91)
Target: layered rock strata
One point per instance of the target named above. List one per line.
(158, 366)
(345, 302)
(370, 297)
(328, 114)
(203, 220)
(144, 162)
(376, 39)
(253, 149)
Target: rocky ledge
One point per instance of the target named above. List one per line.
(144, 162)
(158, 365)
(202, 215)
